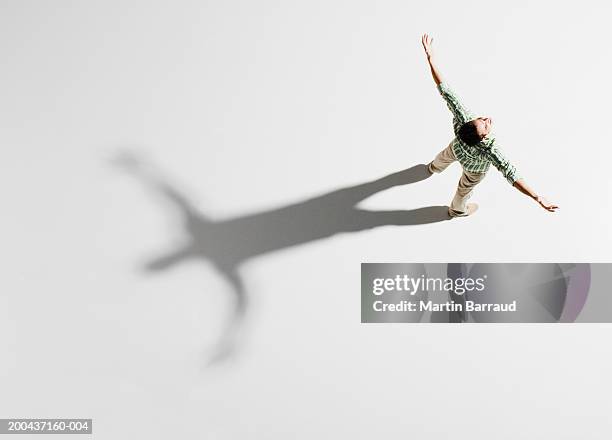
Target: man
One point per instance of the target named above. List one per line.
(474, 147)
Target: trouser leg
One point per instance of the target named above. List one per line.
(442, 160)
(467, 182)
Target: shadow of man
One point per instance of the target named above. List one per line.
(226, 244)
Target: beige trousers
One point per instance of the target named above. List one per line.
(466, 184)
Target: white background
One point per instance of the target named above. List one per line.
(249, 106)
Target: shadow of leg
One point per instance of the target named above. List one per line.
(357, 193)
(370, 219)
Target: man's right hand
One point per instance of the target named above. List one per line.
(427, 45)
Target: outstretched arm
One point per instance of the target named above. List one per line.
(461, 114)
(522, 187)
(509, 172)
(427, 45)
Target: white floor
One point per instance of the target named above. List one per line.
(246, 107)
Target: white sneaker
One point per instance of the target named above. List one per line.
(471, 208)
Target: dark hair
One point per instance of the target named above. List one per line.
(468, 134)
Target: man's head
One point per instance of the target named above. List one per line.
(475, 130)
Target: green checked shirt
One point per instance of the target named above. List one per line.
(476, 158)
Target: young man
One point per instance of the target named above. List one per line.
(474, 147)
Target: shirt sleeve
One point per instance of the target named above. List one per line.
(461, 114)
(502, 164)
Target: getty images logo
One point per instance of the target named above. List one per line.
(412, 285)
(477, 292)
